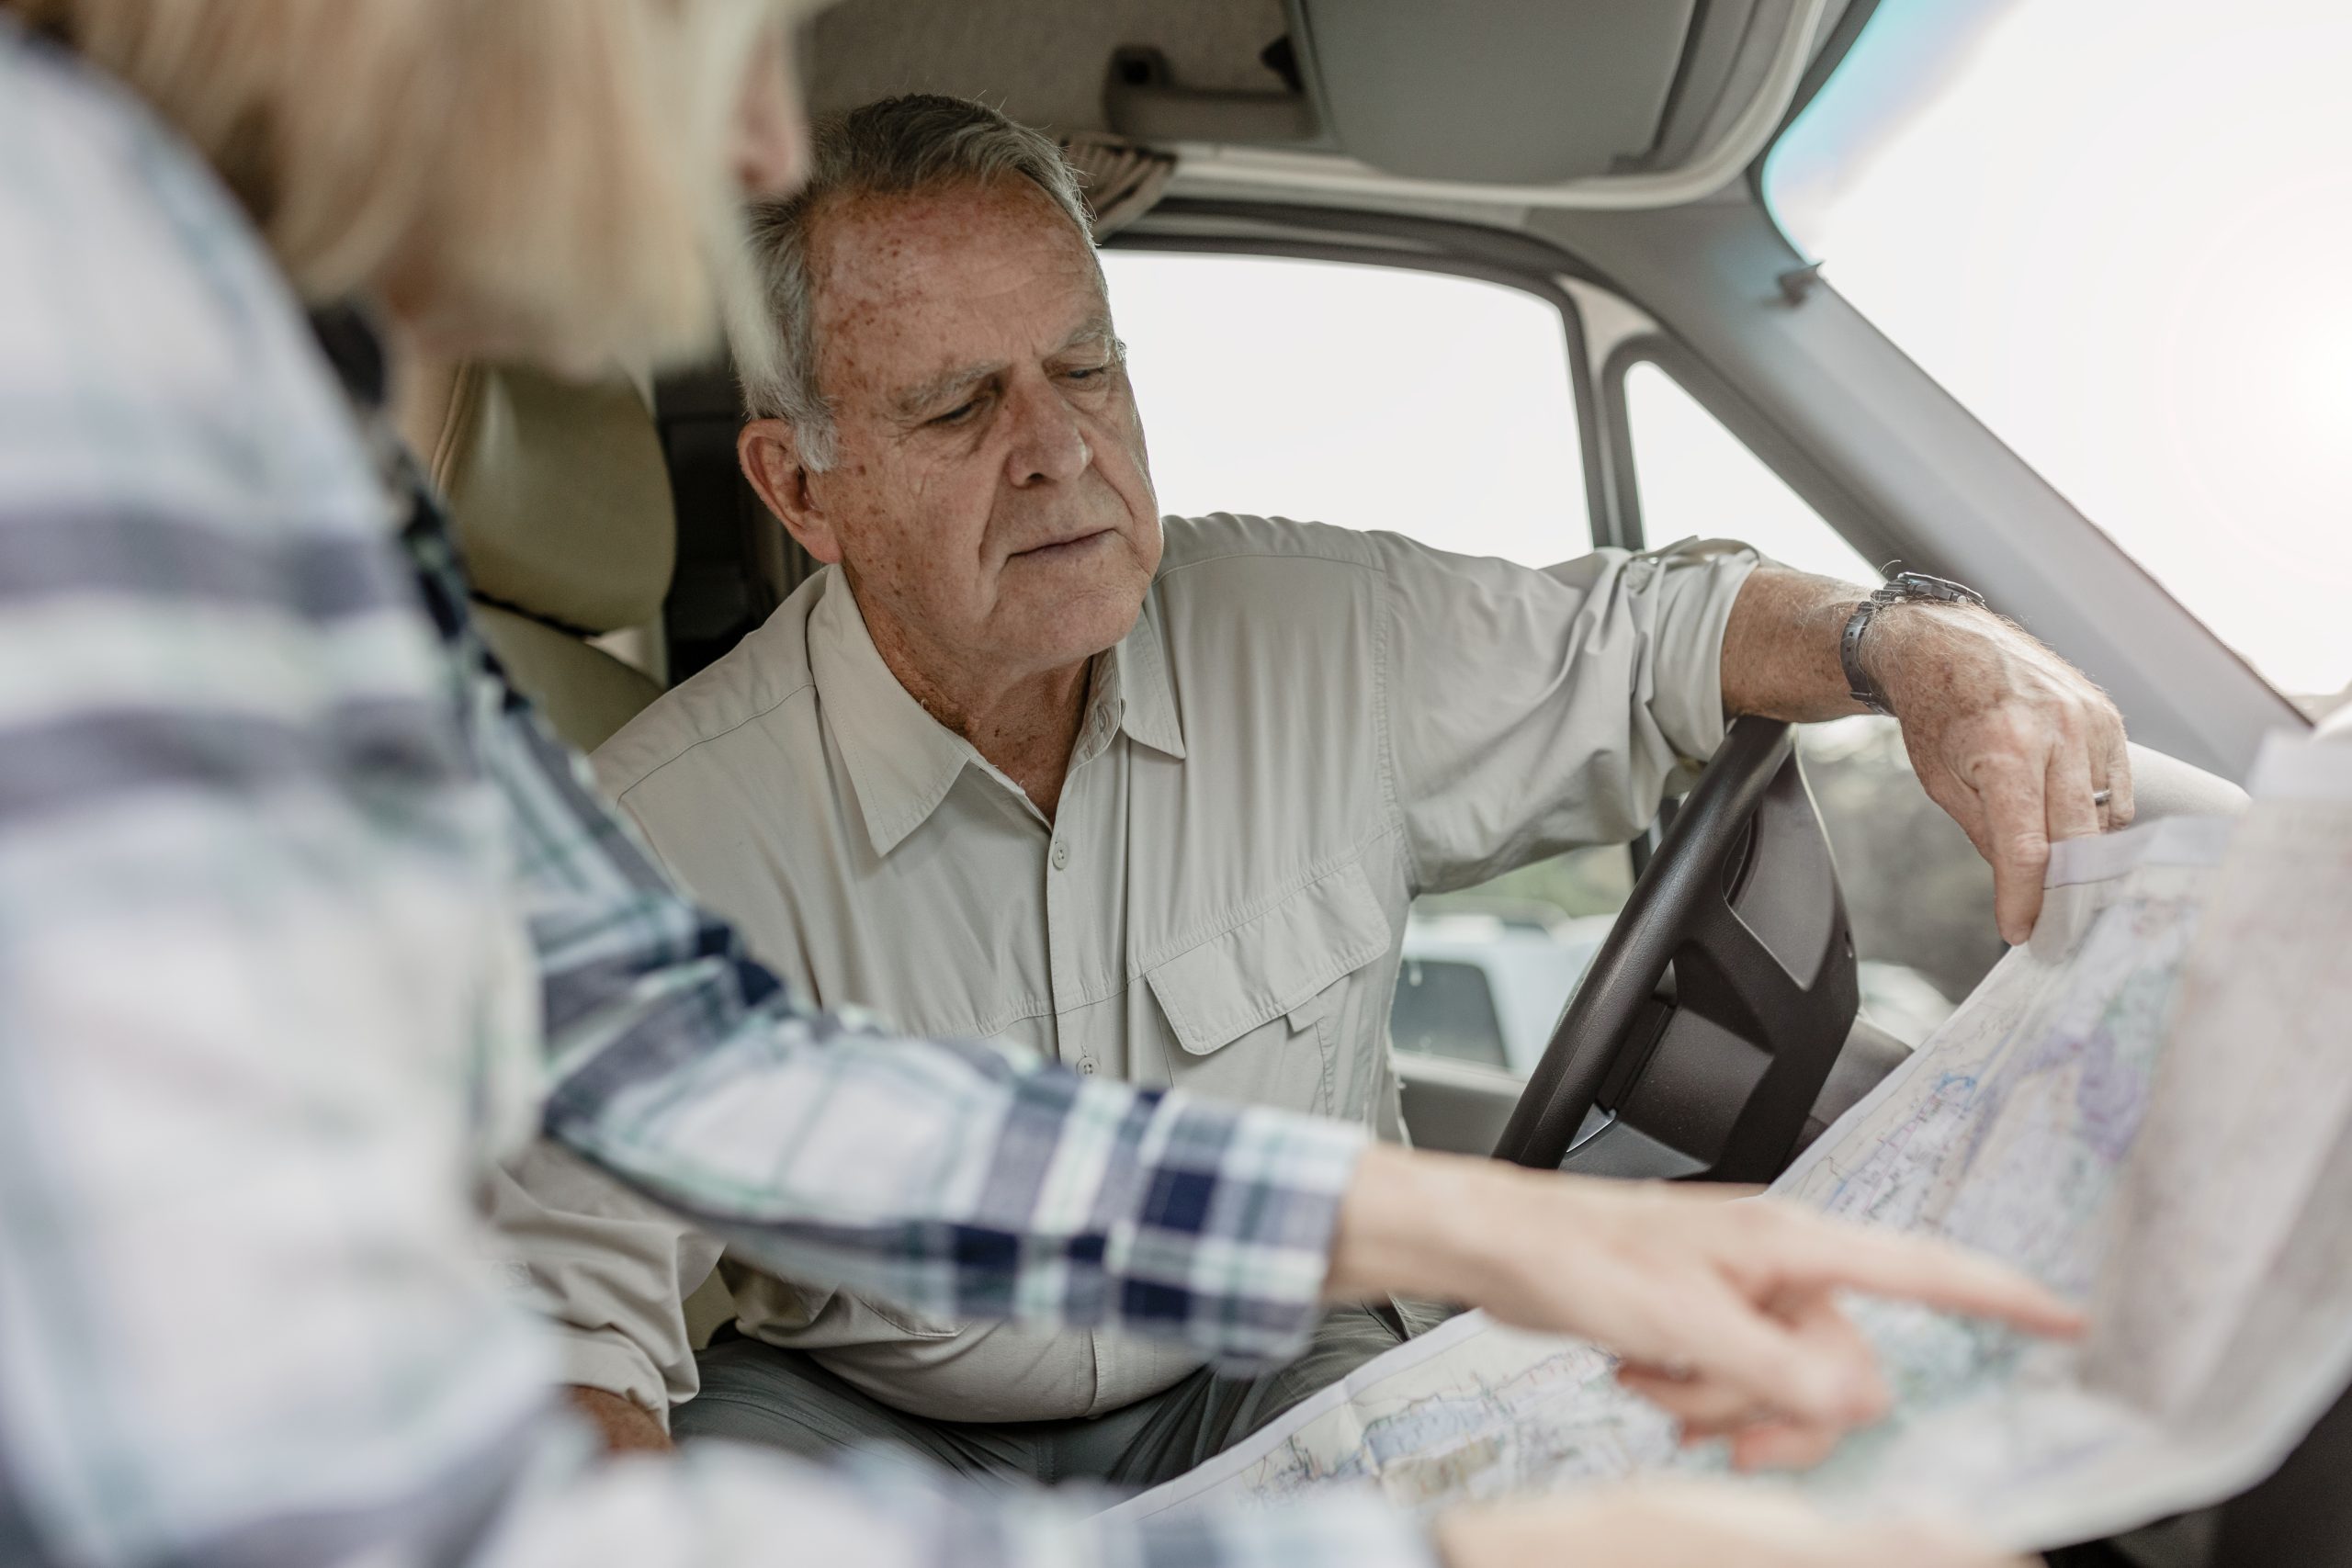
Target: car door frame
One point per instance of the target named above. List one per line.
(1717, 295)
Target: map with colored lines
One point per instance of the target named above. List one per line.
(2013, 1129)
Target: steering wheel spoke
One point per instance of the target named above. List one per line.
(1727, 969)
(1741, 900)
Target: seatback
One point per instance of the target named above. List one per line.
(561, 507)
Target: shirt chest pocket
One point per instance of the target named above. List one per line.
(1259, 1012)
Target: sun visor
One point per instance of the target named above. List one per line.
(1540, 103)
(1511, 91)
(1567, 103)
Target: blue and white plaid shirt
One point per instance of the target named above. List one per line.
(304, 915)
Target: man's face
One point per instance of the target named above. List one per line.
(990, 499)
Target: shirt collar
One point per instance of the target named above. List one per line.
(1148, 704)
(901, 761)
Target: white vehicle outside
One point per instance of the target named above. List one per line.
(1486, 988)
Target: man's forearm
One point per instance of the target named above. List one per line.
(2017, 744)
(1780, 646)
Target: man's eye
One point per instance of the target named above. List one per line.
(959, 414)
(1087, 373)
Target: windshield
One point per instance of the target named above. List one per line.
(2120, 231)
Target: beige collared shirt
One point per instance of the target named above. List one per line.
(1307, 728)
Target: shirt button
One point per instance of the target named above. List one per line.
(1061, 853)
(1086, 1069)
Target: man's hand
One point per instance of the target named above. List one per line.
(2010, 738)
(1724, 1313)
(2006, 736)
(1691, 1525)
(626, 1425)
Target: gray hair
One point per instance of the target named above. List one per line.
(893, 147)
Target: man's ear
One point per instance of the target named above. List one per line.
(770, 455)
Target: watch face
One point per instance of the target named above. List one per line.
(1919, 585)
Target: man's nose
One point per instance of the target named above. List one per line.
(1049, 446)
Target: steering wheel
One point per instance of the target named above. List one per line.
(1713, 1013)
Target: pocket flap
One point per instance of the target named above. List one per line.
(1272, 963)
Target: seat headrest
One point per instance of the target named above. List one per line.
(557, 489)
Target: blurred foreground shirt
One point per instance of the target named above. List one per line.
(277, 847)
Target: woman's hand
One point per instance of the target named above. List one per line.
(1691, 1525)
(1724, 1313)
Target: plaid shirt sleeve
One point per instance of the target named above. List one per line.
(958, 1179)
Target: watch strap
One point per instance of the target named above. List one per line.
(1858, 685)
(1903, 588)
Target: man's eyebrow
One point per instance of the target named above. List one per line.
(1095, 331)
(917, 399)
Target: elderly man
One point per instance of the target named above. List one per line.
(1151, 797)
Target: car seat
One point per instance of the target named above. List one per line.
(559, 498)
(560, 503)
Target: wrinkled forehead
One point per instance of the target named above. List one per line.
(907, 285)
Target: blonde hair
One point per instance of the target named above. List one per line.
(543, 179)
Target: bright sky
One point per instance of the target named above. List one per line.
(1695, 477)
(1369, 396)
(2120, 231)
(1381, 398)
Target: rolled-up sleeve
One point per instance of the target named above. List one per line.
(611, 1270)
(1529, 712)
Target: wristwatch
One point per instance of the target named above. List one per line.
(1903, 587)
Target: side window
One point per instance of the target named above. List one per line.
(1920, 898)
(1446, 1006)
(1303, 389)
(1694, 477)
(1359, 394)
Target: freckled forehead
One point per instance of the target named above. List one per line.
(908, 284)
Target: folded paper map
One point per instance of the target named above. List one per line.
(2145, 1108)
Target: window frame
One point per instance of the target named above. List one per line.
(1836, 508)
(1584, 396)
(1604, 431)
